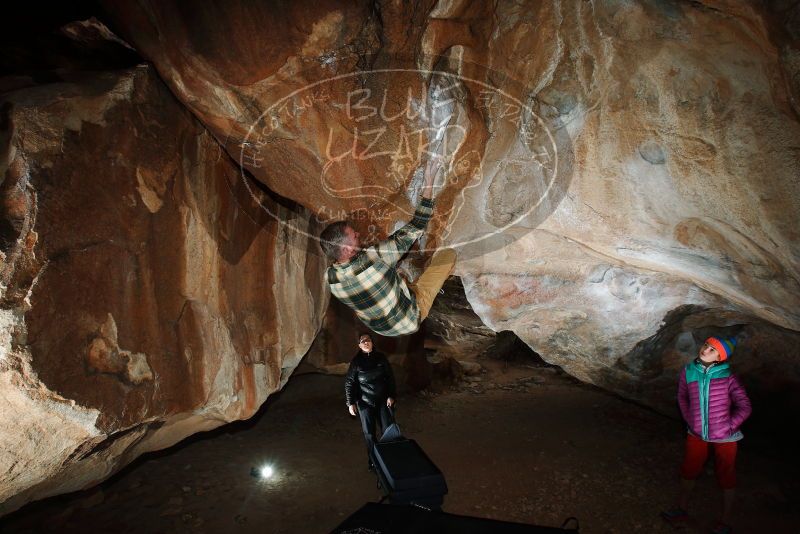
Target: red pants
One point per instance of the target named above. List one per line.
(724, 460)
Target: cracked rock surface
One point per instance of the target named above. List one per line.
(145, 297)
(661, 205)
(622, 184)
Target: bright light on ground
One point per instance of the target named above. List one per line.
(266, 471)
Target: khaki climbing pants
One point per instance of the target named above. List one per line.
(427, 286)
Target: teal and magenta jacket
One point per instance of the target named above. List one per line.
(713, 402)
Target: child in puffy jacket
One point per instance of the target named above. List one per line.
(714, 405)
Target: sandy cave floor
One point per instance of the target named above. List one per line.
(530, 446)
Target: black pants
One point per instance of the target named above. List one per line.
(369, 418)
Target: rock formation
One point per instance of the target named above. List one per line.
(146, 295)
(617, 166)
(622, 183)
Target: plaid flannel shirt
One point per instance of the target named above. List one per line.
(369, 283)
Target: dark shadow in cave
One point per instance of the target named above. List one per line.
(650, 370)
(45, 41)
(534, 455)
(461, 349)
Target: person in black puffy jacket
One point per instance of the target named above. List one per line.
(369, 388)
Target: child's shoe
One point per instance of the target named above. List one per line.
(677, 517)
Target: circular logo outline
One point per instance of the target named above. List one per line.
(430, 73)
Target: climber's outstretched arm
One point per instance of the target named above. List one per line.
(396, 245)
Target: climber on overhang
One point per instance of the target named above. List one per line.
(366, 280)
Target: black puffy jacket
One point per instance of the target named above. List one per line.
(369, 379)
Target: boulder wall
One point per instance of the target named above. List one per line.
(147, 293)
(624, 183)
